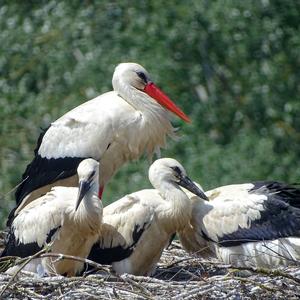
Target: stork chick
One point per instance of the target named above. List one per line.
(147, 219)
(68, 217)
(247, 225)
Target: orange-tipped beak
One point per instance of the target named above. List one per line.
(154, 92)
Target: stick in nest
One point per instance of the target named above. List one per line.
(23, 263)
(58, 256)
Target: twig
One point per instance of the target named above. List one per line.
(194, 292)
(179, 261)
(262, 286)
(13, 189)
(295, 262)
(269, 272)
(42, 254)
(5, 258)
(27, 260)
(76, 258)
(127, 279)
(27, 292)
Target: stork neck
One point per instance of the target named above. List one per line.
(152, 120)
(178, 206)
(89, 199)
(90, 210)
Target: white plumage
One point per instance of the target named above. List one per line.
(148, 219)
(68, 217)
(247, 225)
(115, 127)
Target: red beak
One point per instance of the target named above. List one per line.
(154, 92)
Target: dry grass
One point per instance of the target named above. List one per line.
(179, 276)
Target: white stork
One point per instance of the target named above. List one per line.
(247, 225)
(115, 127)
(68, 217)
(147, 220)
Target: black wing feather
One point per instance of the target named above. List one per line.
(107, 256)
(289, 193)
(15, 248)
(278, 220)
(42, 171)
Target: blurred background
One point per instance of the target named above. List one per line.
(233, 66)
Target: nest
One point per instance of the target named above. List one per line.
(178, 276)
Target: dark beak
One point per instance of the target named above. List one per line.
(84, 187)
(192, 187)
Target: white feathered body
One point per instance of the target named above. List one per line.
(263, 254)
(75, 232)
(109, 129)
(146, 221)
(160, 218)
(236, 212)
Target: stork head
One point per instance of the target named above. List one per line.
(134, 75)
(88, 175)
(170, 170)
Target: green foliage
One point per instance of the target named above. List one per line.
(232, 65)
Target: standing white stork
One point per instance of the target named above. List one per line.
(247, 225)
(68, 217)
(115, 127)
(147, 220)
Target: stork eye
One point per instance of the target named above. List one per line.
(142, 76)
(92, 174)
(177, 170)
